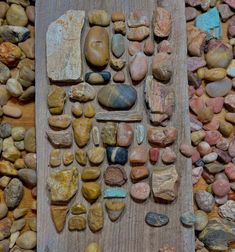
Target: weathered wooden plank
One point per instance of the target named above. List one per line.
(130, 233)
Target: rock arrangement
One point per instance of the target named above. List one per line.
(18, 176)
(211, 95)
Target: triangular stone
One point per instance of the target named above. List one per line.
(59, 214)
(114, 208)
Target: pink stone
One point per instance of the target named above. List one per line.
(203, 148)
(119, 76)
(193, 63)
(153, 154)
(168, 156)
(196, 174)
(140, 191)
(231, 3)
(223, 144)
(195, 155)
(212, 137)
(221, 200)
(221, 187)
(200, 91)
(223, 156)
(197, 104)
(149, 47)
(212, 125)
(216, 103)
(134, 47)
(191, 91)
(138, 155)
(231, 148)
(125, 134)
(164, 46)
(186, 149)
(230, 171)
(138, 67)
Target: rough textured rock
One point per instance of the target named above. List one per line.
(63, 185)
(119, 27)
(164, 181)
(13, 34)
(138, 18)
(78, 209)
(160, 101)
(60, 121)
(4, 73)
(228, 210)
(201, 220)
(58, 214)
(101, 77)
(77, 223)
(81, 156)
(60, 139)
(162, 66)
(109, 133)
(96, 217)
(63, 38)
(196, 41)
(161, 22)
(82, 92)
(81, 129)
(115, 176)
(5, 226)
(10, 54)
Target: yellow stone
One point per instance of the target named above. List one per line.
(197, 136)
(55, 158)
(56, 99)
(96, 155)
(19, 163)
(80, 156)
(90, 173)
(77, 223)
(82, 128)
(201, 72)
(63, 185)
(78, 208)
(93, 247)
(215, 74)
(95, 217)
(68, 157)
(89, 110)
(225, 128)
(60, 121)
(59, 214)
(76, 109)
(91, 190)
(11, 154)
(7, 168)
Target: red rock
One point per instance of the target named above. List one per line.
(186, 150)
(208, 177)
(138, 155)
(197, 104)
(125, 134)
(216, 103)
(164, 46)
(230, 171)
(200, 91)
(138, 66)
(203, 148)
(191, 91)
(153, 154)
(139, 173)
(149, 47)
(195, 155)
(221, 187)
(223, 156)
(231, 148)
(212, 137)
(140, 191)
(134, 47)
(168, 156)
(196, 41)
(193, 63)
(212, 125)
(119, 76)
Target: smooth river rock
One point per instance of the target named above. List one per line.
(63, 40)
(138, 18)
(138, 67)
(118, 45)
(156, 219)
(81, 129)
(117, 96)
(219, 88)
(102, 77)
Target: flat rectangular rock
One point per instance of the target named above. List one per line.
(119, 116)
(63, 41)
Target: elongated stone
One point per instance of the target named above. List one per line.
(58, 214)
(156, 219)
(138, 67)
(102, 77)
(60, 139)
(120, 116)
(140, 133)
(82, 92)
(81, 129)
(115, 192)
(13, 34)
(117, 96)
(97, 46)
(160, 101)
(96, 135)
(162, 66)
(56, 99)
(118, 45)
(117, 155)
(138, 34)
(161, 22)
(96, 217)
(63, 40)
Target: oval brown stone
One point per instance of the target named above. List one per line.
(115, 176)
(139, 173)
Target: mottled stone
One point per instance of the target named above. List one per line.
(219, 88)
(82, 92)
(193, 63)
(3, 7)
(196, 41)
(90, 173)
(204, 200)
(212, 137)
(118, 45)
(164, 181)
(30, 160)
(102, 77)
(117, 155)
(115, 176)
(160, 101)
(97, 46)
(138, 155)
(10, 54)
(5, 226)
(58, 214)
(77, 109)
(109, 133)
(119, 27)
(216, 103)
(201, 220)
(55, 158)
(117, 64)
(14, 87)
(231, 27)
(196, 174)
(162, 66)
(77, 223)
(28, 48)
(13, 34)
(60, 139)
(81, 156)
(138, 18)
(155, 219)
(115, 192)
(3, 210)
(91, 191)
(60, 121)
(96, 217)
(63, 38)
(138, 67)
(134, 47)
(231, 69)
(56, 99)
(205, 115)
(229, 102)
(114, 208)
(125, 134)
(188, 219)
(149, 47)
(17, 225)
(117, 96)
(225, 128)
(5, 73)
(140, 133)
(98, 17)
(81, 129)
(63, 185)
(96, 155)
(140, 191)
(164, 46)
(20, 212)
(138, 34)
(161, 22)
(168, 156)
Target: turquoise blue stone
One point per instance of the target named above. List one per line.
(117, 96)
(140, 133)
(117, 155)
(98, 77)
(115, 192)
(118, 45)
(209, 22)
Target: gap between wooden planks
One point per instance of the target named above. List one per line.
(130, 233)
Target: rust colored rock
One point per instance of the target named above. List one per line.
(125, 134)
(138, 155)
(153, 154)
(10, 54)
(161, 22)
(160, 101)
(139, 173)
(115, 176)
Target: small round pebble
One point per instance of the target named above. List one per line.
(221, 187)
(188, 219)
(156, 219)
(140, 191)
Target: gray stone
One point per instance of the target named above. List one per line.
(156, 219)
(219, 88)
(118, 45)
(5, 73)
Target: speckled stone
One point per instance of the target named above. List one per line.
(115, 176)
(204, 200)
(156, 219)
(109, 133)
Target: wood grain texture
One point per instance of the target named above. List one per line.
(130, 233)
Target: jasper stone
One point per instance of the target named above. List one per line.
(162, 136)
(60, 121)
(58, 214)
(115, 192)
(97, 47)
(91, 191)
(115, 176)
(161, 22)
(63, 185)
(219, 88)
(96, 135)
(90, 173)
(164, 180)
(77, 223)
(140, 133)
(138, 34)
(13, 193)
(156, 219)
(5, 225)
(139, 173)
(138, 155)
(204, 200)
(96, 217)
(117, 45)
(188, 219)
(102, 77)
(98, 17)
(56, 99)
(162, 66)
(117, 96)
(138, 18)
(125, 134)
(114, 208)
(82, 92)
(117, 155)
(13, 34)
(60, 139)
(109, 133)
(81, 129)
(138, 67)
(119, 27)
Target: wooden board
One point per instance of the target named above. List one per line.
(130, 233)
